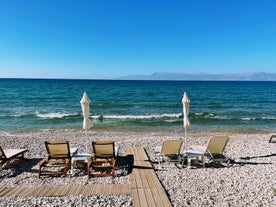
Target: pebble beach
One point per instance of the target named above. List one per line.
(249, 180)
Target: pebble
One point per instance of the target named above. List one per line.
(250, 180)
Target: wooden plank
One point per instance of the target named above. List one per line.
(63, 191)
(31, 192)
(82, 189)
(165, 200)
(22, 191)
(73, 190)
(86, 190)
(38, 191)
(12, 192)
(4, 191)
(94, 189)
(113, 189)
(142, 198)
(150, 180)
(149, 197)
(133, 180)
(156, 181)
(156, 196)
(144, 178)
(59, 191)
(79, 190)
(148, 190)
(101, 189)
(50, 191)
(135, 198)
(137, 178)
(107, 189)
(127, 189)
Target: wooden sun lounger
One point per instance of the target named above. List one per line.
(8, 154)
(58, 156)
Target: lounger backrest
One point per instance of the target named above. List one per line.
(217, 144)
(58, 149)
(171, 147)
(104, 149)
(2, 154)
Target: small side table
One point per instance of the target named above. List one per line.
(194, 153)
(73, 151)
(78, 158)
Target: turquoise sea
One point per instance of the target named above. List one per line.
(35, 104)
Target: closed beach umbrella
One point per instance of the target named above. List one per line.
(87, 123)
(186, 122)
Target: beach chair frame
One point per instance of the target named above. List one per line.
(215, 149)
(170, 151)
(58, 156)
(8, 154)
(102, 163)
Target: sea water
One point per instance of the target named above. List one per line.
(35, 104)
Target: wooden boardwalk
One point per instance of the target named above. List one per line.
(144, 188)
(50, 191)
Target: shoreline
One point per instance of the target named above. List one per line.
(249, 179)
(145, 129)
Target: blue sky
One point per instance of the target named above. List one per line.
(108, 39)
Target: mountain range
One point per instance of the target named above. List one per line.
(260, 76)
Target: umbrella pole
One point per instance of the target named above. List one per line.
(185, 138)
(86, 140)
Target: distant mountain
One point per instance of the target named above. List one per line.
(204, 76)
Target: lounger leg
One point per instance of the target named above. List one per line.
(39, 171)
(203, 161)
(88, 170)
(189, 162)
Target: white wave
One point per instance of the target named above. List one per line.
(269, 118)
(151, 116)
(209, 116)
(16, 114)
(247, 119)
(221, 117)
(53, 115)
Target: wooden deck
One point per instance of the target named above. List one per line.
(50, 191)
(144, 188)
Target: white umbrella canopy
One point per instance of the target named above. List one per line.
(186, 122)
(87, 123)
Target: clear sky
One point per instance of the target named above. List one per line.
(112, 38)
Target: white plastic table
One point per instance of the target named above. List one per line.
(194, 153)
(73, 151)
(83, 158)
(78, 158)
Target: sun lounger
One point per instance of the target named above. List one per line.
(8, 154)
(58, 158)
(170, 150)
(214, 150)
(102, 163)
